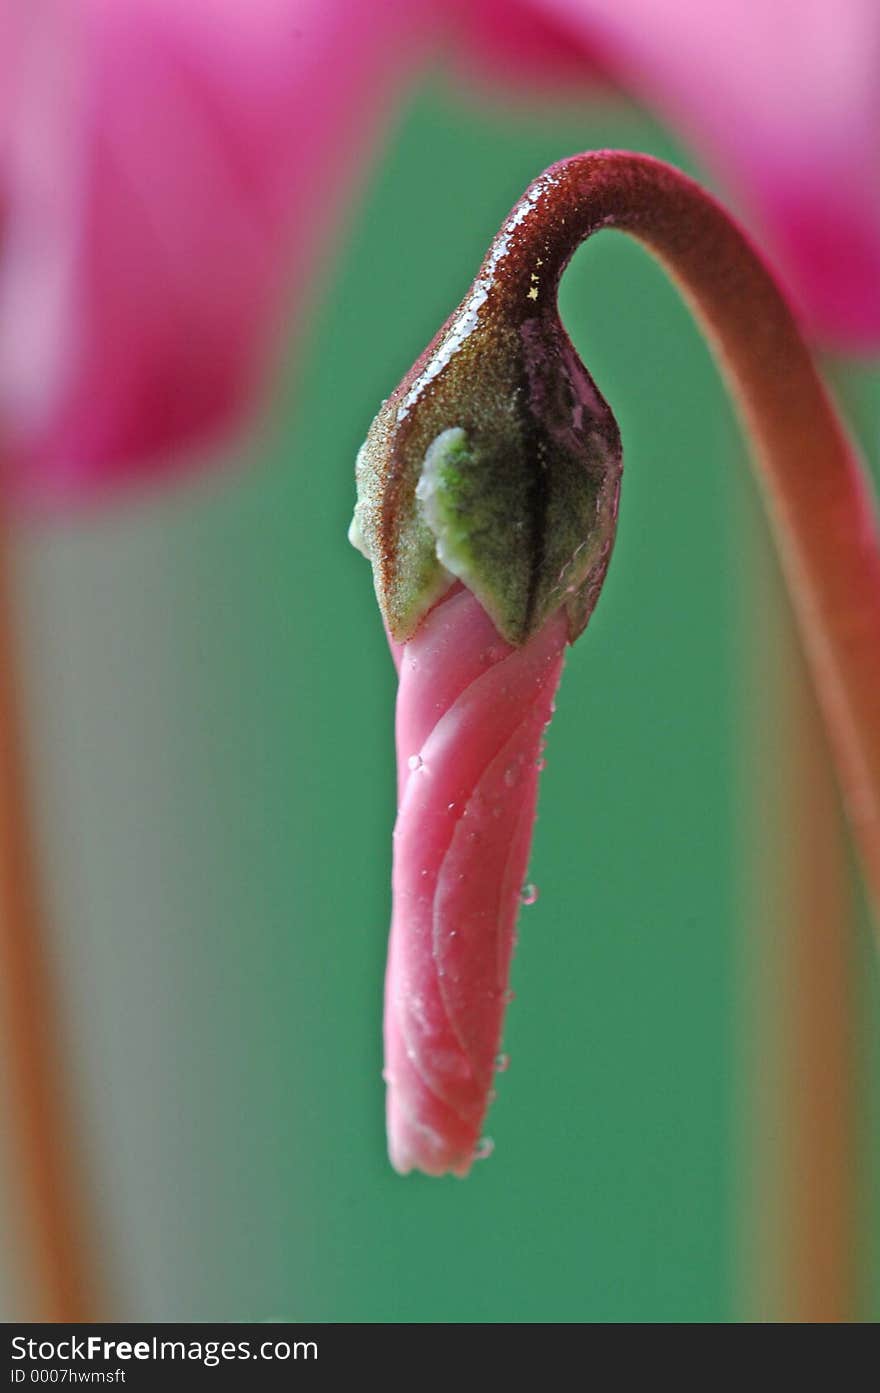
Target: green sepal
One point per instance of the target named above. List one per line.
(496, 462)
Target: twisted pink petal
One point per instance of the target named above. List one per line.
(470, 714)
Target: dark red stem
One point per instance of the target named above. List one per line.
(815, 490)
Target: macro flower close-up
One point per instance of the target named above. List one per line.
(569, 313)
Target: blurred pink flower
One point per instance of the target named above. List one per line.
(171, 169)
(471, 711)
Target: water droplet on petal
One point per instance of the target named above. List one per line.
(483, 1149)
(508, 997)
(450, 807)
(415, 762)
(541, 764)
(528, 894)
(502, 1063)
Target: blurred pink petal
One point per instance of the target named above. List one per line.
(517, 43)
(471, 711)
(172, 169)
(782, 101)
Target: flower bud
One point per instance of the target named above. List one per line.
(496, 461)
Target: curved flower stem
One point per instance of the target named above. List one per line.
(825, 530)
(826, 533)
(52, 1208)
(814, 490)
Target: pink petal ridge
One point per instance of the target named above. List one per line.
(471, 712)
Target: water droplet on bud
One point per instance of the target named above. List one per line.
(415, 762)
(502, 1063)
(528, 894)
(483, 1149)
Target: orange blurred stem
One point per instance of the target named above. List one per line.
(821, 1166)
(814, 489)
(52, 1208)
(801, 1232)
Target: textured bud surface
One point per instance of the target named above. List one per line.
(495, 459)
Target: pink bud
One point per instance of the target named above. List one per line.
(471, 712)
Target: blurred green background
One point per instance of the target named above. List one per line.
(212, 708)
